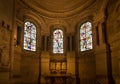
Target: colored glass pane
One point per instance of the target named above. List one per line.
(86, 36)
(58, 41)
(29, 36)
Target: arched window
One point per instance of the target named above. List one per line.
(86, 36)
(58, 41)
(29, 36)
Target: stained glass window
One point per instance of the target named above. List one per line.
(86, 36)
(29, 36)
(58, 41)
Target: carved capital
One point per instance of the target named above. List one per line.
(99, 17)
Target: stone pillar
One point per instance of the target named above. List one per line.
(71, 43)
(77, 74)
(103, 64)
(100, 34)
(45, 44)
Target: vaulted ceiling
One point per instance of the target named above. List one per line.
(59, 6)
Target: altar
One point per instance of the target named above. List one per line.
(59, 79)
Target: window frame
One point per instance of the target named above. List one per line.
(62, 51)
(79, 29)
(53, 28)
(35, 38)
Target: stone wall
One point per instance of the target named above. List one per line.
(32, 67)
(6, 17)
(113, 31)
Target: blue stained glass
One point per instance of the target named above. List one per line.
(58, 41)
(29, 36)
(86, 36)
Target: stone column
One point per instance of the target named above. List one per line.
(45, 44)
(103, 64)
(100, 33)
(71, 43)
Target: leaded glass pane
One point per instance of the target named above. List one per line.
(86, 36)
(58, 41)
(29, 36)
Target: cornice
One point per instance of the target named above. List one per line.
(19, 22)
(99, 17)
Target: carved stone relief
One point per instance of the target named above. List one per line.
(4, 45)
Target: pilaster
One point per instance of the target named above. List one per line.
(102, 52)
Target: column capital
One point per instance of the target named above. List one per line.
(99, 18)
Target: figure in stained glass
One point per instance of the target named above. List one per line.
(29, 36)
(58, 41)
(86, 36)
